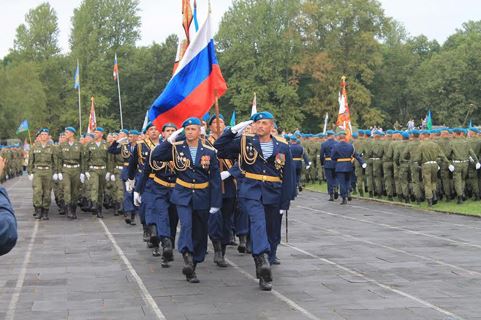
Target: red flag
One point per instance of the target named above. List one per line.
(92, 119)
(116, 68)
(344, 115)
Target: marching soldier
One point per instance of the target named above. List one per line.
(329, 165)
(42, 166)
(119, 157)
(197, 192)
(298, 155)
(70, 168)
(57, 183)
(265, 191)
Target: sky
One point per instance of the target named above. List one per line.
(437, 19)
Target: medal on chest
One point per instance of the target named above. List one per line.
(205, 161)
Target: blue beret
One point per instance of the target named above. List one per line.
(191, 121)
(43, 130)
(149, 124)
(379, 133)
(474, 129)
(389, 132)
(341, 133)
(134, 132)
(355, 134)
(330, 133)
(405, 135)
(71, 129)
(91, 135)
(169, 125)
(287, 137)
(368, 133)
(214, 116)
(261, 116)
(124, 131)
(415, 132)
(99, 129)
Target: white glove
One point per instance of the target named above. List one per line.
(282, 211)
(451, 168)
(202, 130)
(122, 140)
(129, 185)
(238, 128)
(137, 199)
(174, 135)
(112, 178)
(478, 166)
(30, 177)
(214, 210)
(439, 168)
(87, 174)
(82, 178)
(60, 177)
(55, 177)
(364, 165)
(107, 176)
(308, 166)
(471, 159)
(224, 175)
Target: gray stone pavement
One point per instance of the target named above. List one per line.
(360, 261)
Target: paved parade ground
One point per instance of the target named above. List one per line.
(361, 261)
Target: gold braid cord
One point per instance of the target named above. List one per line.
(180, 163)
(124, 151)
(156, 165)
(248, 154)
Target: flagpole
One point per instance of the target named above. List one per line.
(120, 101)
(29, 137)
(79, 105)
(217, 112)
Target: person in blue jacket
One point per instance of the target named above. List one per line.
(197, 192)
(298, 155)
(265, 191)
(343, 155)
(8, 222)
(329, 165)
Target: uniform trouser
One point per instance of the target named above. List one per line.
(370, 175)
(377, 176)
(388, 173)
(472, 181)
(141, 209)
(42, 188)
(298, 176)
(397, 179)
(446, 180)
(193, 232)
(360, 178)
(430, 179)
(159, 211)
(241, 220)
(353, 181)
(416, 181)
(220, 223)
(404, 179)
(97, 185)
(58, 191)
(344, 181)
(71, 185)
(258, 224)
(274, 225)
(118, 187)
(459, 176)
(331, 179)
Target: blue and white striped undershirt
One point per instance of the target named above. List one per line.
(193, 153)
(267, 149)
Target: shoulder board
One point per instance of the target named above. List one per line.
(280, 139)
(178, 143)
(208, 147)
(140, 142)
(251, 135)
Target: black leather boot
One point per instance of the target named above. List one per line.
(242, 244)
(156, 252)
(430, 202)
(62, 208)
(116, 208)
(132, 219)
(336, 194)
(127, 217)
(146, 235)
(37, 213)
(218, 257)
(167, 249)
(188, 268)
(193, 277)
(331, 197)
(45, 214)
(99, 212)
(67, 212)
(73, 211)
(344, 200)
(265, 275)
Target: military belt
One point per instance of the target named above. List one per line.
(261, 177)
(119, 167)
(430, 162)
(328, 158)
(71, 166)
(344, 159)
(42, 167)
(161, 182)
(460, 161)
(191, 185)
(297, 159)
(97, 167)
(126, 164)
(374, 158)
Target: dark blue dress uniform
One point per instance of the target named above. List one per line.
(343, 155)
(197, 189)
(298, 155)
(329, 165)
(265, 188)
(136, 167)
(8, 224)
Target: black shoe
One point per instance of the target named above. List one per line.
(99, 212)
(300, 188)
(45, 214)
(73, 211)
(264, 272)
(127, 217)
(331, 197)
(242, 244)
(218, 257)
(68, 212)
(164, 263)
(156, 252)
(344, 200)
(275, 261)
(349, 198)
(62, 208)
(167, 249)
(188, 268)
(192, 278)
(37, 213)
(430, 202)
(248, 246)
(336, 195)
(132, 219)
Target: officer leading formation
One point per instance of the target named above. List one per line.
(237, 181)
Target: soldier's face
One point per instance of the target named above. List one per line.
(68, 134)
(98, 135)
(167, 132)
(133, 138)
(153, 133)
(192, 132)
(213, 126)
(43, 137)
(110, 138)
(264, 127)
(121, 135)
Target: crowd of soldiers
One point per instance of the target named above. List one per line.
(236, 181)
(409, 166)
(14, 157)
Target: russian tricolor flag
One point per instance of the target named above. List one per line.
(196, 83)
